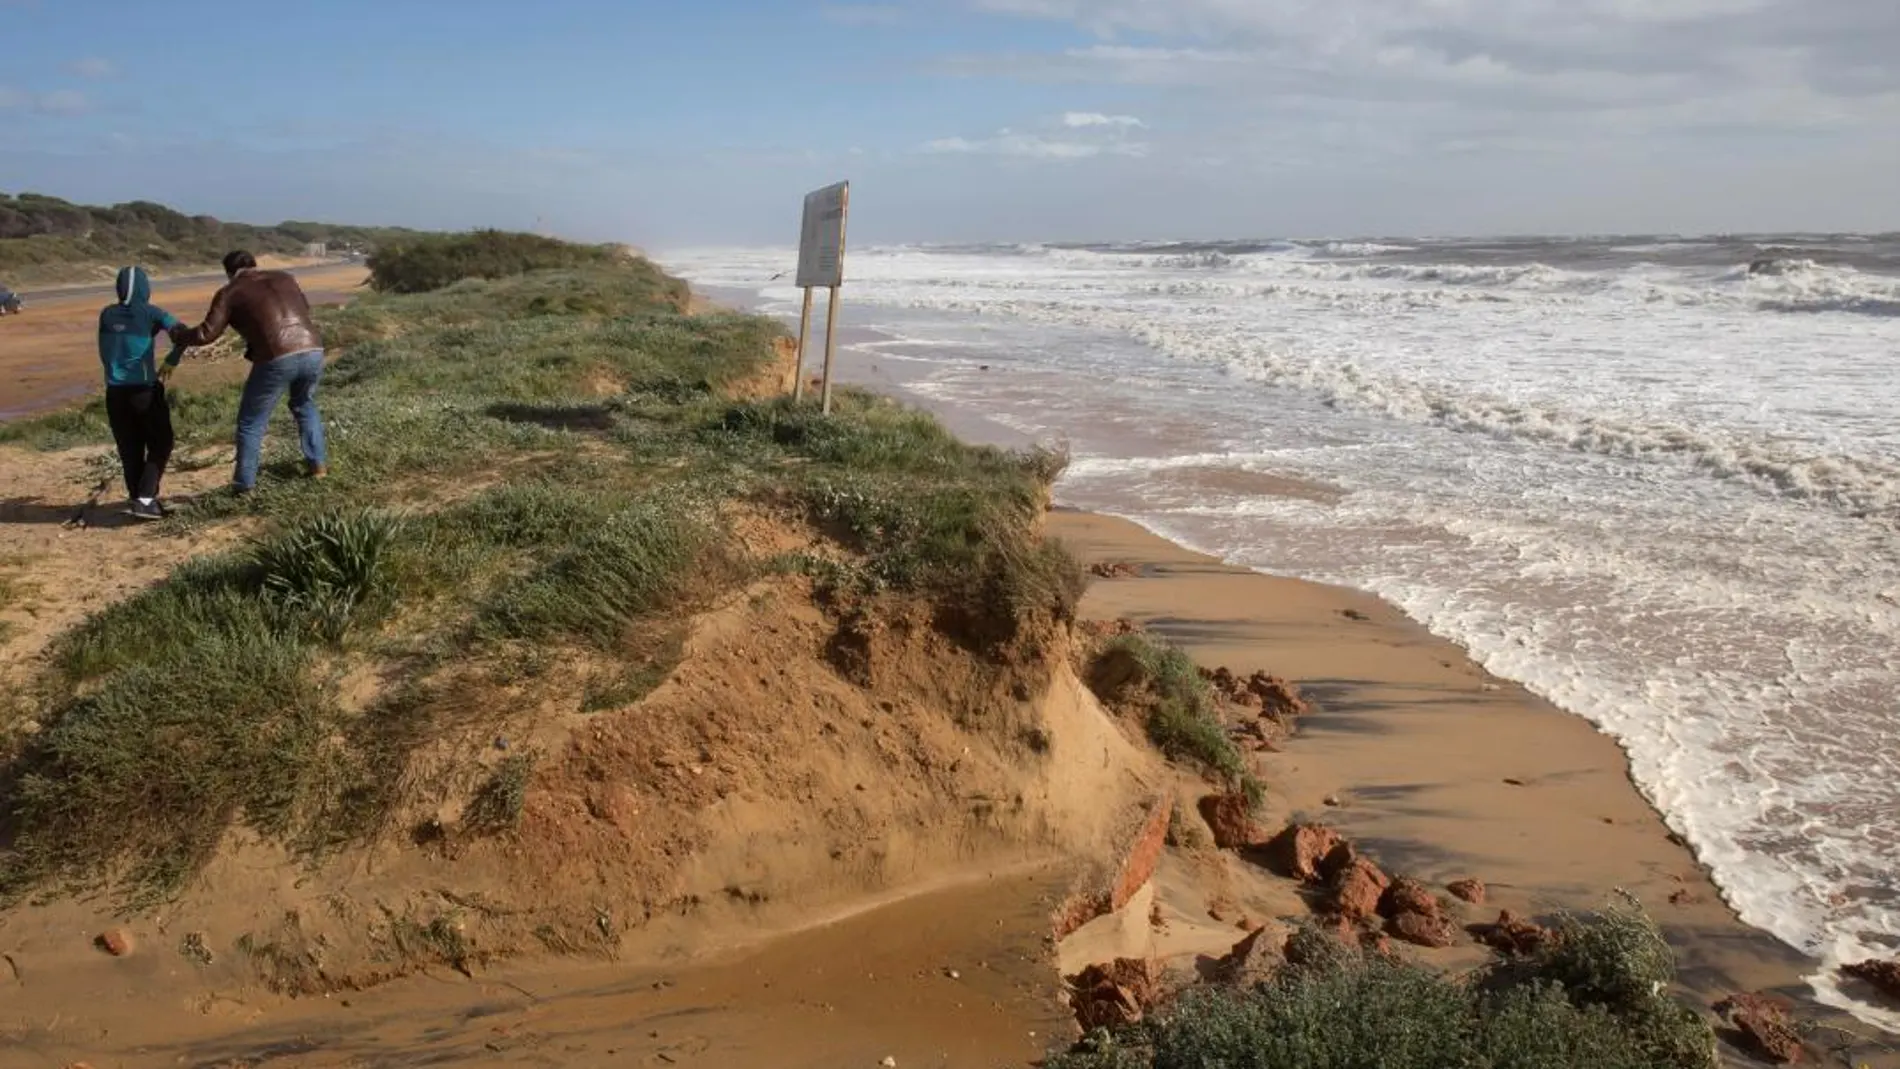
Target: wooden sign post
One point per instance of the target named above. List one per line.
(804, 332)
(821, 265)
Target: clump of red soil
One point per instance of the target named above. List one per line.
(1513, 934)
(1765, 1022)
(1114, 995)
(1230, 816)
(1300, 852)
(1472, 891)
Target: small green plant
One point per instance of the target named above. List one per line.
(442, 940)
(326, 567)
(498, 803)
(1616, 957)
(1182, 719)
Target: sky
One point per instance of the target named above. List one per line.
(700, 122)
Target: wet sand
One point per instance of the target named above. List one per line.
(49, 354)
(871, 985)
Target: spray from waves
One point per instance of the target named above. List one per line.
(1860, 486)
(1802, 285)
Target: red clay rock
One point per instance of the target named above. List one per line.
(1407, 895)
(1143, 854)
(1765, 1022)
(1882, 976)
(1337, 860)
(1075, 911)
(1424, 929)
(1471, 891)
(1357, 891)
(1230, 817)
(1300, 851)
(1279, 699)
(1263, 735)
(1512, 934)
(1109, 628)
(116, 942)
(1416, 914)
(1116, 994)
(1252, 960)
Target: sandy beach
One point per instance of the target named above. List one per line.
(1438, 768)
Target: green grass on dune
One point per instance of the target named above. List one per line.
(518, 465)
(1183, 718)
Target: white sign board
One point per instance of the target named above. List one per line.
(821, 241)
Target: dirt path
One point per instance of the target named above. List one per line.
(49, 354)
(67, 549)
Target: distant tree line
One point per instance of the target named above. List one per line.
(46, 236)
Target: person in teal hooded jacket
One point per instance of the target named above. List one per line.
(136, 407)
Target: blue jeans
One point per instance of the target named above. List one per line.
(298, 373)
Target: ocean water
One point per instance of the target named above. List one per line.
(1657, 480)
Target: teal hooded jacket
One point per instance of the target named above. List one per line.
(128, 329)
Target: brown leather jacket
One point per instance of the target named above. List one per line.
(269, 312)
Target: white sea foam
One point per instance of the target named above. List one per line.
(1656, 487)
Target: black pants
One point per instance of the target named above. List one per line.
(142, 426)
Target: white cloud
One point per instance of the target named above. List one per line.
(58, 102)
(93, 67)
(862, 14)
(1078, 120)
(1031, 146)
(1523, 58)
(64, 102)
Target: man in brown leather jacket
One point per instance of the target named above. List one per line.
(269, 311)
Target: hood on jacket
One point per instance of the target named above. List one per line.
(135, 286)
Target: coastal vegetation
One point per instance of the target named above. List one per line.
(521, 466)
(45, 239)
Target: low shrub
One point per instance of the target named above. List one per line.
(1183, 720)
(1343, 1008)
(498, 804)
(326, 567)
(432, 262)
